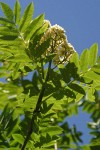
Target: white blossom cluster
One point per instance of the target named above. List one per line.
(59, 45)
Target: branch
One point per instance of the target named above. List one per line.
(36, 110)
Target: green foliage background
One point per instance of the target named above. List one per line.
(30, 110)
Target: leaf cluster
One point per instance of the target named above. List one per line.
(32, 106)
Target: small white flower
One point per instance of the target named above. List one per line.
(58, 44)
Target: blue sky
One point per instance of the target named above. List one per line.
(80, 19)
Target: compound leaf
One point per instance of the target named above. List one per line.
(26, 18)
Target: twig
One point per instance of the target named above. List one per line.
(36, 110)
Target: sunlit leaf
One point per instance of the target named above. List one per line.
(34, 25)
(97, 87)
(93, 54)
(73, 109)
(51, 130)
(7, 11)
(86, 147)
(93, 76)
(18, 138)
(79, 96)
(90, 94)
(84, 60)
(96, 68)
(7, 42)
(6, 22)
(18, 58)
(26, 18)
(98, 60)
(17, 11)
(30, 103)
(8, 32)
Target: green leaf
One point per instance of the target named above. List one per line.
(4, 21)
(7, 11)
(52, 130)
(73, 109)
(15, 73)
(8, 32)
(26, 18)
(18, 58)
(40, 32)
(17, 11)
(6, 118)
(90, 94)
(58, 104)
(84, 60)
(15, 42)
(30, 103)
(85, 147)
(12, 126)
(18, 138)
(46, 145)
(37, 35)
(96, 83)
(96, 142)
(77, 88)
(68, 72)
(92, 75)
(75, 59)
(96, 68)
(42, 48)
(34, 25)
(47, 141)
(4, 112)
(78, 97)
(55, 78)
(97, 87)
(98, 60)
(93, 54)
(69, 93)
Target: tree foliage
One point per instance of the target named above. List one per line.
(45, 81)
